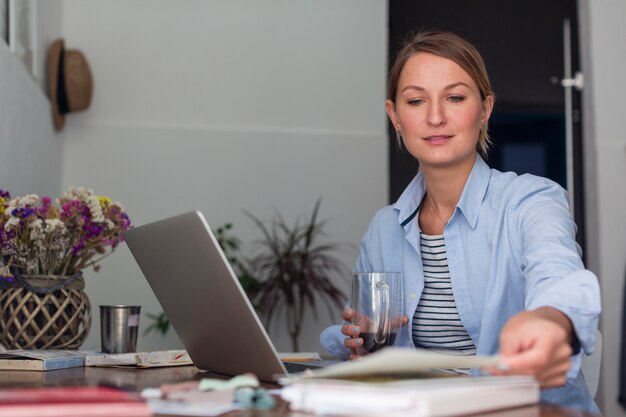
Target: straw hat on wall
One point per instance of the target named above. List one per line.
(70, 85)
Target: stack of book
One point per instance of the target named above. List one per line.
(402, 382)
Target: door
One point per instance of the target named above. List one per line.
(523, 47)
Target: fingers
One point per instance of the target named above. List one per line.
(532, 345)
(539, 359)
(556, 375)
(350, 330)
(553, 377)
(353, 343)
(346, 314)
(363, 325)
(554, 382)
(548, 375)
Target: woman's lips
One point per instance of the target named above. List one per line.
(437, 139)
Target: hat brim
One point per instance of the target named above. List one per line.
(54, 65)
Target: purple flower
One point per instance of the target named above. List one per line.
(23, 213)
(6, 235)
(5, 194)
(92, 229)
(68, 209)
(78, 247)
(125, 221)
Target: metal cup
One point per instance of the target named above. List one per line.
(118, 328)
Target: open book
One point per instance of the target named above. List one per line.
(398, 362)
(140, 359)
(401, 382)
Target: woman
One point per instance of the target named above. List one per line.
(489, 259)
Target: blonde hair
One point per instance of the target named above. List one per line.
(456, 49)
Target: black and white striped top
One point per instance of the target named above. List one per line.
(436, 322)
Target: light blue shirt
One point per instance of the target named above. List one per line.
(511, 247)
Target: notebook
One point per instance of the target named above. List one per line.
(200, 294)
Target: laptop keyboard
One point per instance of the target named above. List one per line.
(295, 367)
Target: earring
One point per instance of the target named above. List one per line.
(399, 138)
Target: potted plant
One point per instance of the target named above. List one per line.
(44, 247)
(295, 270)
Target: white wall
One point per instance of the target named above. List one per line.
(224, 106)
(30, 152)
(605, 60)
(49, 13)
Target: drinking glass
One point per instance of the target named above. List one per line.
(377, 305)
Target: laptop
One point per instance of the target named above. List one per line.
(200, 294)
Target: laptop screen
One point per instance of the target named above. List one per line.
(190, 276)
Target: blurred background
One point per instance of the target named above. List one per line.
(226, 106)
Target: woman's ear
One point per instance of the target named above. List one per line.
(487, 109)
(390, 106)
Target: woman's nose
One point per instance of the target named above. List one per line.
(436, 115)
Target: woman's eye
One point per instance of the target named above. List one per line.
(415, 101)
(456, 99)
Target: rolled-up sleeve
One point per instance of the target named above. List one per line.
(551, 261)
(332, 340)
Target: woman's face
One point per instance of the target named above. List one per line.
(439, 111)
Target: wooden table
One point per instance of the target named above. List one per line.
(138, 379)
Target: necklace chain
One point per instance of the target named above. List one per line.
(432, 203)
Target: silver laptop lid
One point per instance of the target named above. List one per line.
(190, 276)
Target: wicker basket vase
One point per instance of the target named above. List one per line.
(57, 320)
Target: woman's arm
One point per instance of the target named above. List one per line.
(562, 299)
(551, 261)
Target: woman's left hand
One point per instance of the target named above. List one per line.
(537, 343)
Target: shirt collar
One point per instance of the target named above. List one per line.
(469, 203)
(474, 191)
(410, 200)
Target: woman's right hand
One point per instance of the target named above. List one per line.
(353, 341)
